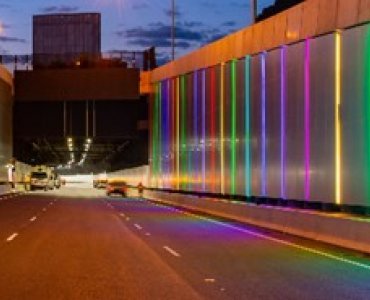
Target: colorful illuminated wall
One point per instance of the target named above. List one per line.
(290, 123)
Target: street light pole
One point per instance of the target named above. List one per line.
(254, 10)
(173, 29)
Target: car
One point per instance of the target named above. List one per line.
(41, 180)
(117, 188)
(100, 183)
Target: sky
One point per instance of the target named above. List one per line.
(132, 24)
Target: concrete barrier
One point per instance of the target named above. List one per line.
(336, 229)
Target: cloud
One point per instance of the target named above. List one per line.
(159, 35)
(168, 12)
(3, 5)
(229, 24)
(193, 24)
(9, 39)
(60, 9)
(161, 30)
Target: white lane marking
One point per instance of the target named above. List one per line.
(148, 234)
(33, 219)
(171, 251)
(286, 243)
(138, 226)
(210, 280)
(122, 215)
(12, 237)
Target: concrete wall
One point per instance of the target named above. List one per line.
(79, 84)
(132, 176)
(340, 230)
(311, 18)
(6, 133)
(277, 123)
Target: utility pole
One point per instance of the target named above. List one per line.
(173, 29)
(254, 8)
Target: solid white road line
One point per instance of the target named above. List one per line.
(171, 251)
(33, 219)
(12, 237)
(286, 243)
(138, 226)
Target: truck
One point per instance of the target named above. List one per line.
(42, 177)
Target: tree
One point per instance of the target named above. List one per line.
(279, 6)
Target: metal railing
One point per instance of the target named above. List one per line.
(143, 60)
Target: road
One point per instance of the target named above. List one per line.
(78, 244)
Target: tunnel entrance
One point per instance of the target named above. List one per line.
(80, 120)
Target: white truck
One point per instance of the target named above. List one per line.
(42, 178)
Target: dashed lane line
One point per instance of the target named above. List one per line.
(171, 251)
(138, 226)
(12, 237)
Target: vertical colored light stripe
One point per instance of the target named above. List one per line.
(338, 96)
(203, 144)
(263, 120)
(213, 127)
(247, 128)
(183, 134)
(163, 139)
(233, 128)
(168, 138)
(174, 137)
(189, 117)
(366, 114)
(178, 133)
(155, 138)
(307, 119)
(159, 169)
(282, 120)
(195, 177)
(222, 136)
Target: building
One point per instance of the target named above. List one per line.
(64, 39)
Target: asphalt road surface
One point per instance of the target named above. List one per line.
(78, 244)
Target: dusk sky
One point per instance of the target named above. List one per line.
(131, 24)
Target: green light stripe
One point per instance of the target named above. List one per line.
(233, 127)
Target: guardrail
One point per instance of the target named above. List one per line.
(144, 60)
